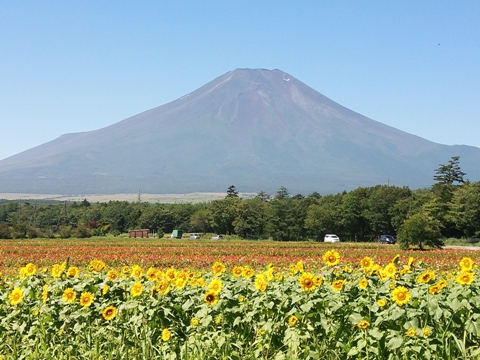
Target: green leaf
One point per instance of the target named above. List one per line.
(186, 305)
(455, 305)
(352, 352)
(395, 342)
(376, 333)
(306, 307)
(361, 344)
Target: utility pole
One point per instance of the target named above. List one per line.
(35, 215)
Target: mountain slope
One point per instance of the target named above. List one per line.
(256, 129)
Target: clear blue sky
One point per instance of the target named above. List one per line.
(70, 66)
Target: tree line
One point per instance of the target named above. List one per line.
(449, 208)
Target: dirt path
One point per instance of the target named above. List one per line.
(461, 247)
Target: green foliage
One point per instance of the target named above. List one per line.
(359, 215)
(5, 231)
(82, 232)
(65, 232)
(420, 230)
(232, 191)
(451, 173)
(294, 313)
(465, 209)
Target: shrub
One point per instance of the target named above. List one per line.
(5, 231)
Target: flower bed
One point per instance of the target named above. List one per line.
(324, 309)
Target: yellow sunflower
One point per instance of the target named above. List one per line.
(73, 271)
(426, 332)
(215, 286)
(465, 278)
(126, 270)
(69, 295)
(426, 277)
(136, 289)
(237, 271)
(248, 272)
(105, 290)
(442, 283)
(367, 263)
(401, 295)
(292, 320)
(363, 324)
(434, 289)
(363, 283)
(390, 270)
(260, 283)
(411, 332)
(96, 265)
(270, 274)
(30, 269)
(337, 285)
(331, 258)
(218, 268)
(381, 302)
(109, 313)
(137, 272)
(194, 322)
(45, 294)
(180, 283)
(307, 281)
(317, 280)
(58, 269)
(466, 264)
(16, 296)
(299, 266)
(113, 275)
(163, 287)
(166, 334)
(151, 274)
(86, 299)
(210, 297)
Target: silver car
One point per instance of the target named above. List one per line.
(331, 238)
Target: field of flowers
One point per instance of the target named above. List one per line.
(151, 299)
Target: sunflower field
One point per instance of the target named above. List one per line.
(401, 309)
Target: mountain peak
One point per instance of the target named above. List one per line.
(256, 128)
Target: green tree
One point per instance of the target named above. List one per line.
(222, 213)
(379, 207)
(263, 196)
(353, 219)
(232, 191)
(450, 174)
(282, 193)
(465, 209)
(199, 221)
(448, 178)
(420, 230)
(251, 218)
(319, 221)
(283, 222)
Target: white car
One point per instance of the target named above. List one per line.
(331, 238)
(217, 237)
(194, 236)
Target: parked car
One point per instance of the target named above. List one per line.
(194, 236)
(387, 239)
(331, 238)
(217, 237)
